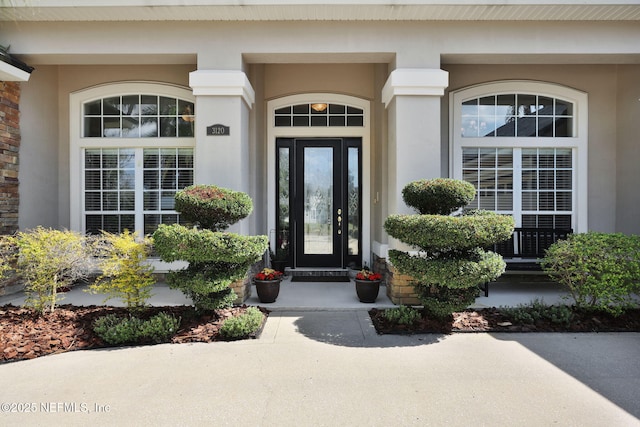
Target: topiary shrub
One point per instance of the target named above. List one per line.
(242, 326)
(212, 207)
(216, 258)
(601, 270)
(450, 263)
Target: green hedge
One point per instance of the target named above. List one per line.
(440, 196)
(601, 270)
(442, 233)
(212, 207)
(175, 242)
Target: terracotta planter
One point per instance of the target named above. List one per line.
(367, 290)
(267, 290)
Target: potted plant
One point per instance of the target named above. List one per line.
(367, 285)
(267, 283)
(279, 259)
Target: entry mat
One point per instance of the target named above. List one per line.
(320, 278)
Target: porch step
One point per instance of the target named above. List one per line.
(318, 274)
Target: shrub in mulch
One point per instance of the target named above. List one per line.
(24, 334)
(495, 320)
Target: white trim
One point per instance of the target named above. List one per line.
(222, 83)
(9, 73)
(579, 142)
(363, 132)
(414, 81)
(380, 249)
(77, 142)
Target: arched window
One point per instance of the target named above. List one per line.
(131, 150)
(523, 145)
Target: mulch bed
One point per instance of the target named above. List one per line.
(26, 335)
(491, 320)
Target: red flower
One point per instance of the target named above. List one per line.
(268, 274)
(368, 275)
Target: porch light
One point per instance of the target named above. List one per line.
(319, 107)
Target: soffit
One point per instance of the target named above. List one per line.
(327, 10)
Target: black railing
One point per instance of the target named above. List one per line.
(530, 242)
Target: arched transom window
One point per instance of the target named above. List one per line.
(319, 115)
(138, 116)
(517, 115)
(523, 146)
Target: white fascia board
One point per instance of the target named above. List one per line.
(414, 82)
(222, 83)
(154, 3)
(9, 73)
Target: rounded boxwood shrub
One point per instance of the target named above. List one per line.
(212, 207)
(440, 196)
(243, 325)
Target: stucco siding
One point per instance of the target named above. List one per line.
(628, 157)
(39, 125)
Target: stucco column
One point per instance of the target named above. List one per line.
(223, 102)
(412, 98)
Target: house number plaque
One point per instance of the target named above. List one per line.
(218, 130)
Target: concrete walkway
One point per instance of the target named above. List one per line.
(320, 367)
(330, 368)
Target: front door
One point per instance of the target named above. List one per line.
(319, 192)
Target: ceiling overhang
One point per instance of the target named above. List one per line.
(323, 10)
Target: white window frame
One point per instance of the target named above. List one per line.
(78, 143)
(578, 143)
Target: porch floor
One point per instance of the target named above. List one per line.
(311, 296)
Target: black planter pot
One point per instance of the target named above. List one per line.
(367, 290)
(267, 290)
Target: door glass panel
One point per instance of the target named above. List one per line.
(318, 200)
(353, 202)
(283, 199)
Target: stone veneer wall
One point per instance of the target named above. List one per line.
(9, 149)
(399, 286)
